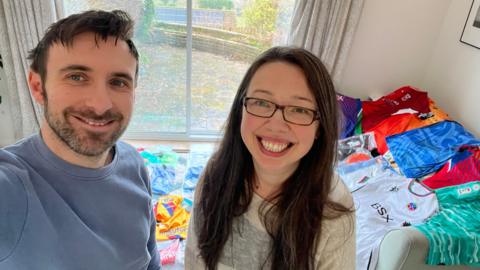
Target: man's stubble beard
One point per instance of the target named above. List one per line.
(82, 144)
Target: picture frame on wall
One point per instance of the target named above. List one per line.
(471, 30)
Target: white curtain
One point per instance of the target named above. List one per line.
(22, 24)
(326, 28)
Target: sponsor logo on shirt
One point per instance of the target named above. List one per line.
(382, 211)
(464, 191)
(469, 191)
(406, 97)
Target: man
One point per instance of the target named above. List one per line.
(72, 197)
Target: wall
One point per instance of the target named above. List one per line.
(416, 43)
(392, 45)
(6, 133)
(452, 76)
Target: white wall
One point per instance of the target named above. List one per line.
(392, 45)
(416, 43)
(452, 76)
(6, 133)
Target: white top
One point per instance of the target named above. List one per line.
(248, 248)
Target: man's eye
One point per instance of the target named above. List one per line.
(76, 77)
(119, 83)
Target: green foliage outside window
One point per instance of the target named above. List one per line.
(169, 3)
(216, 4)
(259, 19)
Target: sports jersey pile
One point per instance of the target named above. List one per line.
(407, 163)
(173, 177)
(384, 201)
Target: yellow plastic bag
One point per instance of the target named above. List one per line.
(172, 218)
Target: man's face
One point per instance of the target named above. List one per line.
(88, 93)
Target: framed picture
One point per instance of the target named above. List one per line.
(471, 30)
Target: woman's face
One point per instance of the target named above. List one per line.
(277, 146)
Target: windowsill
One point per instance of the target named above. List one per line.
(177, 146)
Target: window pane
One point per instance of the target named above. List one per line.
(227, 36)
(160, 100)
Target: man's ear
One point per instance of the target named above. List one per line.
(36, 86)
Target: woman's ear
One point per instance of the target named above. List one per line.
(36, 87)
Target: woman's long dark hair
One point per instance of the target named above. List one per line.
(294, 223)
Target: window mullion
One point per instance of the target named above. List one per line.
(189, 68)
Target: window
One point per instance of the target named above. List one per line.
(193, 55)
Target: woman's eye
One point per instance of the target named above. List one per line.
(301, 110)
(262, 103)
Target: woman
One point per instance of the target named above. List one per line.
(269, 198)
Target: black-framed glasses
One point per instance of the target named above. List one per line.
(292, 114)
